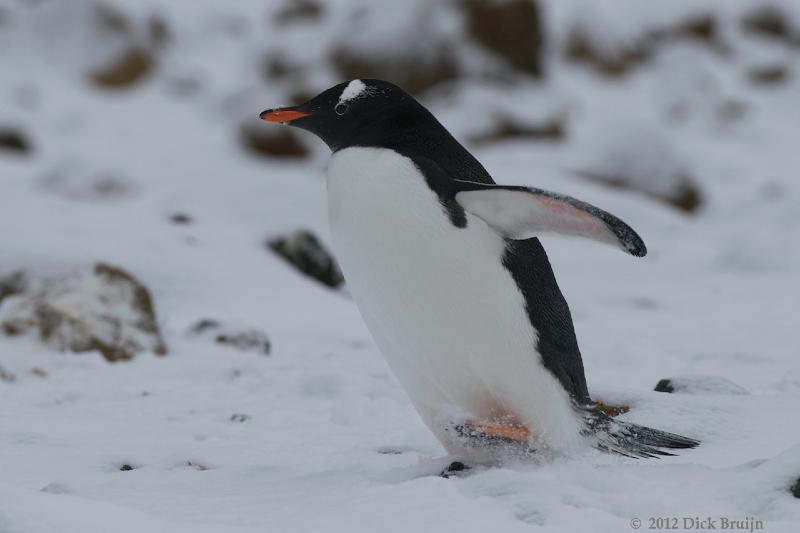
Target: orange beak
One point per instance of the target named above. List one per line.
(282, 115)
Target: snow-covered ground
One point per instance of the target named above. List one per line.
(318, 436)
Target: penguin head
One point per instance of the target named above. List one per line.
(355, 113)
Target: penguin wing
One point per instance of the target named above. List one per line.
(523, 212)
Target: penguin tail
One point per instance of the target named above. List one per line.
(630, 440)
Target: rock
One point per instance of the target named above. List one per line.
(239, 417)
(104, 309)
(299, 11)
(129, 68)
(511, 29)
(616, 55)
(767, 21)
(272, 142)
(12, 284)
(302, 250)
(795, 489)
(135, 57)
(5, 375)
(180, 219)
(14, 140)
(699, 384)
(126, 468)
(506, 128)
(642, 159)
(369, 44)
(236, 336)
(768, 75)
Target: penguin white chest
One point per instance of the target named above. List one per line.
(443, 309)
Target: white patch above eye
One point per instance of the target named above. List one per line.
(353, 90)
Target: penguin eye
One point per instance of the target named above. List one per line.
(340, 109)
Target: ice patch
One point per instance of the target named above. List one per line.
(352, 91)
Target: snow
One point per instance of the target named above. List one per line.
(332, 442)
(353, 90)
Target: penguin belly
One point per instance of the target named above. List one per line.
(442, 308)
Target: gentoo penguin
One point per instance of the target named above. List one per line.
(453, 284)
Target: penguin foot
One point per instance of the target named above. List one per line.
(456, 468)
(512, 432)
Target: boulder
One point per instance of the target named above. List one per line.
(102, 309)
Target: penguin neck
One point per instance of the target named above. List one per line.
(418, 134)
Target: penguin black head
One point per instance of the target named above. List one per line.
(355, 113)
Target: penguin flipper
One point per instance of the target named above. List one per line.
(523, 212)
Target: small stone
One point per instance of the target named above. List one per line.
(237, 336)
(665, 385)
(125, 468)
(181, 219)
(699, 384)
(238, 417)
(455, 468)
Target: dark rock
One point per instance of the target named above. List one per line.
(768, 75)
(240, 417)
(612, 63)
(703, 27)
(126, 468)
(795, 489)
(276, 67)
(181, 219)
(12, 284)
(618, 61)
(265, 141)
(506, 128)
(767, 21)
(130, 68)
(137, 59)
(105, 309)
(13, 140)
(246, 340)
(665, 385)
(684, 195)
(299, 10)
(302, 250)
(454, 468)
(235, 336)
(699, 384)
(197, 466)
(511, 29)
